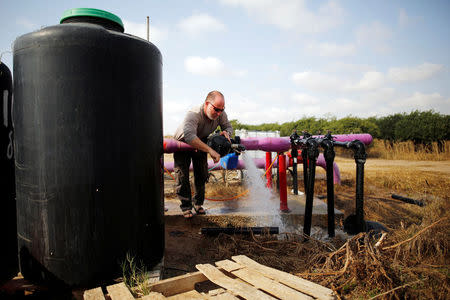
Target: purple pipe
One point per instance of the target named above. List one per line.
(261, 164)
(269, 144)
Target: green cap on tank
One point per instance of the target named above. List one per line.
(91, 12)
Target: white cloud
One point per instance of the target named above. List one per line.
(26, 23)
(293, 14)
(304, 99)
(249, 111)
(326, 83)
(263, 106)
(200, 23)
(210, 66)
(375, 35)
(357, 105)
(381, 97)
(330, 49)
(306, 104)
(370, 81)
(423, 101)
(318, 81)
(275, 67)
(417, 73)
(157, 35)
(404, 20)
(256, 109)
(282, 107)
(174, 112)
(387, 101)
(347, 68)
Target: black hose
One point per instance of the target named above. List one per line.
(408, 200)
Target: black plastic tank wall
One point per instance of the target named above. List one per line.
(88, 139)
(8, 250)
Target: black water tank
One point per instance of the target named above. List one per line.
(8, 250)
(88, 127)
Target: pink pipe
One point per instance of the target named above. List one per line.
(261, 164)
(268, 144)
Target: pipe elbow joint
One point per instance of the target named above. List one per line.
(312, 147)
(328, 152)
(359, 150)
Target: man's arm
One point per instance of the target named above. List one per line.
(190, 136)
(198, 144)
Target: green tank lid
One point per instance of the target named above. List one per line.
(91, 12)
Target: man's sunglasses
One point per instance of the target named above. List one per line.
(217, 109)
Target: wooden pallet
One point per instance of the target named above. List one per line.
(242, 277)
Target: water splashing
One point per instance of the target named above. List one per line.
(259, 193)
(260, 200)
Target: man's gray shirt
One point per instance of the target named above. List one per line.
(197, 124)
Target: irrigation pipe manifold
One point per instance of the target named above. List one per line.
(310, 151)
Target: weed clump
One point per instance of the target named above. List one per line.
(135, 275)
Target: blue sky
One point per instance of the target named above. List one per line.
(277, 61)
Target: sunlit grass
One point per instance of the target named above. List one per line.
(409, 151)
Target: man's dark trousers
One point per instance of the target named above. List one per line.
(182, 161)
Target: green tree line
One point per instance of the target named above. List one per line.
(421, 127)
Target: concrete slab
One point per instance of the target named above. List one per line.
(245, 212)
(242, 207)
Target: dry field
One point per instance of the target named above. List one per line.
(411, 262)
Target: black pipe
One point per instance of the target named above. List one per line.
(305, 169)
(302, 142)
(329, 154)
(360, 156)
(294, 154)
(239, 230)
(310, 153)
(312, 148)
(408, 200)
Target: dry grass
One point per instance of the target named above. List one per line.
(413, 260)
(426, 184)
(224, 191)
(408, 151)
(410, 263)
(426, 181)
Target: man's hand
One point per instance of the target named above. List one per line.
(215, 156)
(225, 134)
(199, 145)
